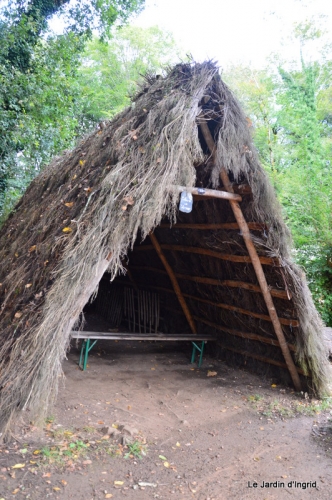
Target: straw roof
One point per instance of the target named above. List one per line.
(83, 214)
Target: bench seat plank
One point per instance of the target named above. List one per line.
(139, 336)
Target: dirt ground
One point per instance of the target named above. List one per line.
(189, 433)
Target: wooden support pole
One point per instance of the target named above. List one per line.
(174, 282)
(255, 261)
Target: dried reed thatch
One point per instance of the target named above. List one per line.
(83, 214)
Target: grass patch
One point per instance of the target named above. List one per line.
(137, 449)
(282, 407)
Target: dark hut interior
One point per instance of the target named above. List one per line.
(206, 252)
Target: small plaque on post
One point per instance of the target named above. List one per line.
(186, 202)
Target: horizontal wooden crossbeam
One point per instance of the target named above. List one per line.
(244, 335)
(211, 193)
(259, 357)
(284, 321)
(254, 226)
(281, 294)
(211, 253)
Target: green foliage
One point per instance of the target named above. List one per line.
(38, 113)
(41, 106)
(290, 106)
(317, 261)
(110, 71)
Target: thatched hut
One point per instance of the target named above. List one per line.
(108, 211)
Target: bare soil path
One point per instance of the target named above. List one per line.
(187, 435)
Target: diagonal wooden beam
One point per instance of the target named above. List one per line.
(174, 282)
(237, 211)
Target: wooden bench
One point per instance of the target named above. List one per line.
(198, 341)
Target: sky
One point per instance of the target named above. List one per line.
(234, 31)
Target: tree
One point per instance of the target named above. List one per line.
(289, 104)
(109, 71)
(39, 95)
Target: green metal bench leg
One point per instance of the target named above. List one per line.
(85, 349)
(200, 350)
(201, 356)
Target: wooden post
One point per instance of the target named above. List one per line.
(174, 281)
(255, 261)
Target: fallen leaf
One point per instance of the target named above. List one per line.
(32, 249)
(100, 422)
(118, 483)
(273, 385)
(69, 204)
(63, 482)
(115, 425)
(88, 190)
(67, 230)
(284, 477)
(261, 428)
(129, 199)
(128, 407)
(18, 315)
(162, 457)
(211, 374)
(87, 462)
(166, 464)
(16, 491)
(56, 488)
(36, 452)
(33, 462)
(18, 466)
(108, 495)
(74, 177)
(28, 285)
(16, 254)
(47, 474)
(82, 162)
(23, 451)
(177, 444)
(256, 459)
(152, 368)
